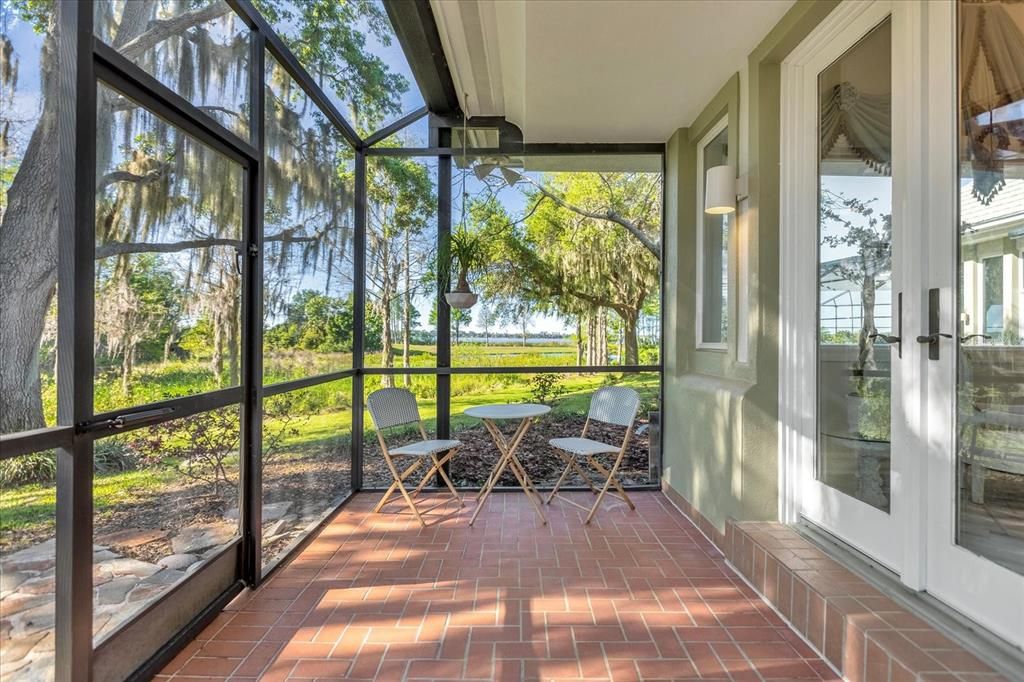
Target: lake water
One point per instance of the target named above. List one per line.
(516, 341)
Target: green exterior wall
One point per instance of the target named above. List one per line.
(720, 426)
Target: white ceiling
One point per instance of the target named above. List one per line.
(598, 70)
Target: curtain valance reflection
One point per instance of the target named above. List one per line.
(864, 120)
(991, 89)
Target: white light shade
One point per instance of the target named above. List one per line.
(720, 190)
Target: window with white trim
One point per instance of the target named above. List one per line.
(712, 247)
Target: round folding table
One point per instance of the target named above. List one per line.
(490, 415)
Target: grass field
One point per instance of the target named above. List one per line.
(319, 414)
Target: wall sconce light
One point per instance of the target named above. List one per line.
(720, 190)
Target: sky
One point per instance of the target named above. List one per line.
(863, 187)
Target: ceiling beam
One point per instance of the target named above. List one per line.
(414, 24)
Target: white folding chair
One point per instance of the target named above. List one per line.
(393, 407)
(616, 405)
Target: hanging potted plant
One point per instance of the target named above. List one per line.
(466, 254)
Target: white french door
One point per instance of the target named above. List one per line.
(902, 295)
(974, 418)
(846, 231)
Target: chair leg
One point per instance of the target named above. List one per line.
(582, 474)
(404, 475)
(439, 465)
(384, 500)
(615, 482)
(405, 493)
(423, 481)
(558, 484)
(607, 484)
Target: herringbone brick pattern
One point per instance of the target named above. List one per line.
(638, 595)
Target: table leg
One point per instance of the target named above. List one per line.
(499, 440)
(508, 459)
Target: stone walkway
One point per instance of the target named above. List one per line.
(636, 595)
(122, 585)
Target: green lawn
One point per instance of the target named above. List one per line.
(324, 413)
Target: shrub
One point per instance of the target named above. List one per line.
(110, 455)
(545, 388)
(37, 467)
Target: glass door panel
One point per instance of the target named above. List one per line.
(975, 396)
(990, 376)
(848, 120)
(855, 311)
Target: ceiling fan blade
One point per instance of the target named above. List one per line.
(482, 170)
(511, 176)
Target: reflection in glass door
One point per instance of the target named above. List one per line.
(841, 301)
(975, 378)
(855, 305)
(990, 377)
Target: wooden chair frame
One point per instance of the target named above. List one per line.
(610, 477)
(436, 467)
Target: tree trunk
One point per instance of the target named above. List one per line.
(579, 342)
(217, 358)
(234, 325)
(407, 313)
(866, 347)
(127, 365)
(28, 225)
(172, 337)
(602, 337)
(591, 336)
(629, 324)
(28, 263)
(386, 344)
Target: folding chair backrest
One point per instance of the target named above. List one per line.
(616, 405)
(392, 407)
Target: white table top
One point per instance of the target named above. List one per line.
(521, 411)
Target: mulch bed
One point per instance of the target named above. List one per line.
(478, 454)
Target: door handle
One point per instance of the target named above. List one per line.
(965, 339)
(897, 339)
(933, 335)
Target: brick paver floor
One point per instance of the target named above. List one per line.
(637, 595)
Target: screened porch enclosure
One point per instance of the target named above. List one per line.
(218, 238)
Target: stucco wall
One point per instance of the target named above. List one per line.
(720, 429)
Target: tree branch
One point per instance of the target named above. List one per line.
(608, 215)
(124, 248)
(125, 176)
(162, 29)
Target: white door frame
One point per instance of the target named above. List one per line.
(889, 538)
(977, 587)
(925, 178)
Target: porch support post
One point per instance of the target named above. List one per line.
(76, 132)
(444, 230)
